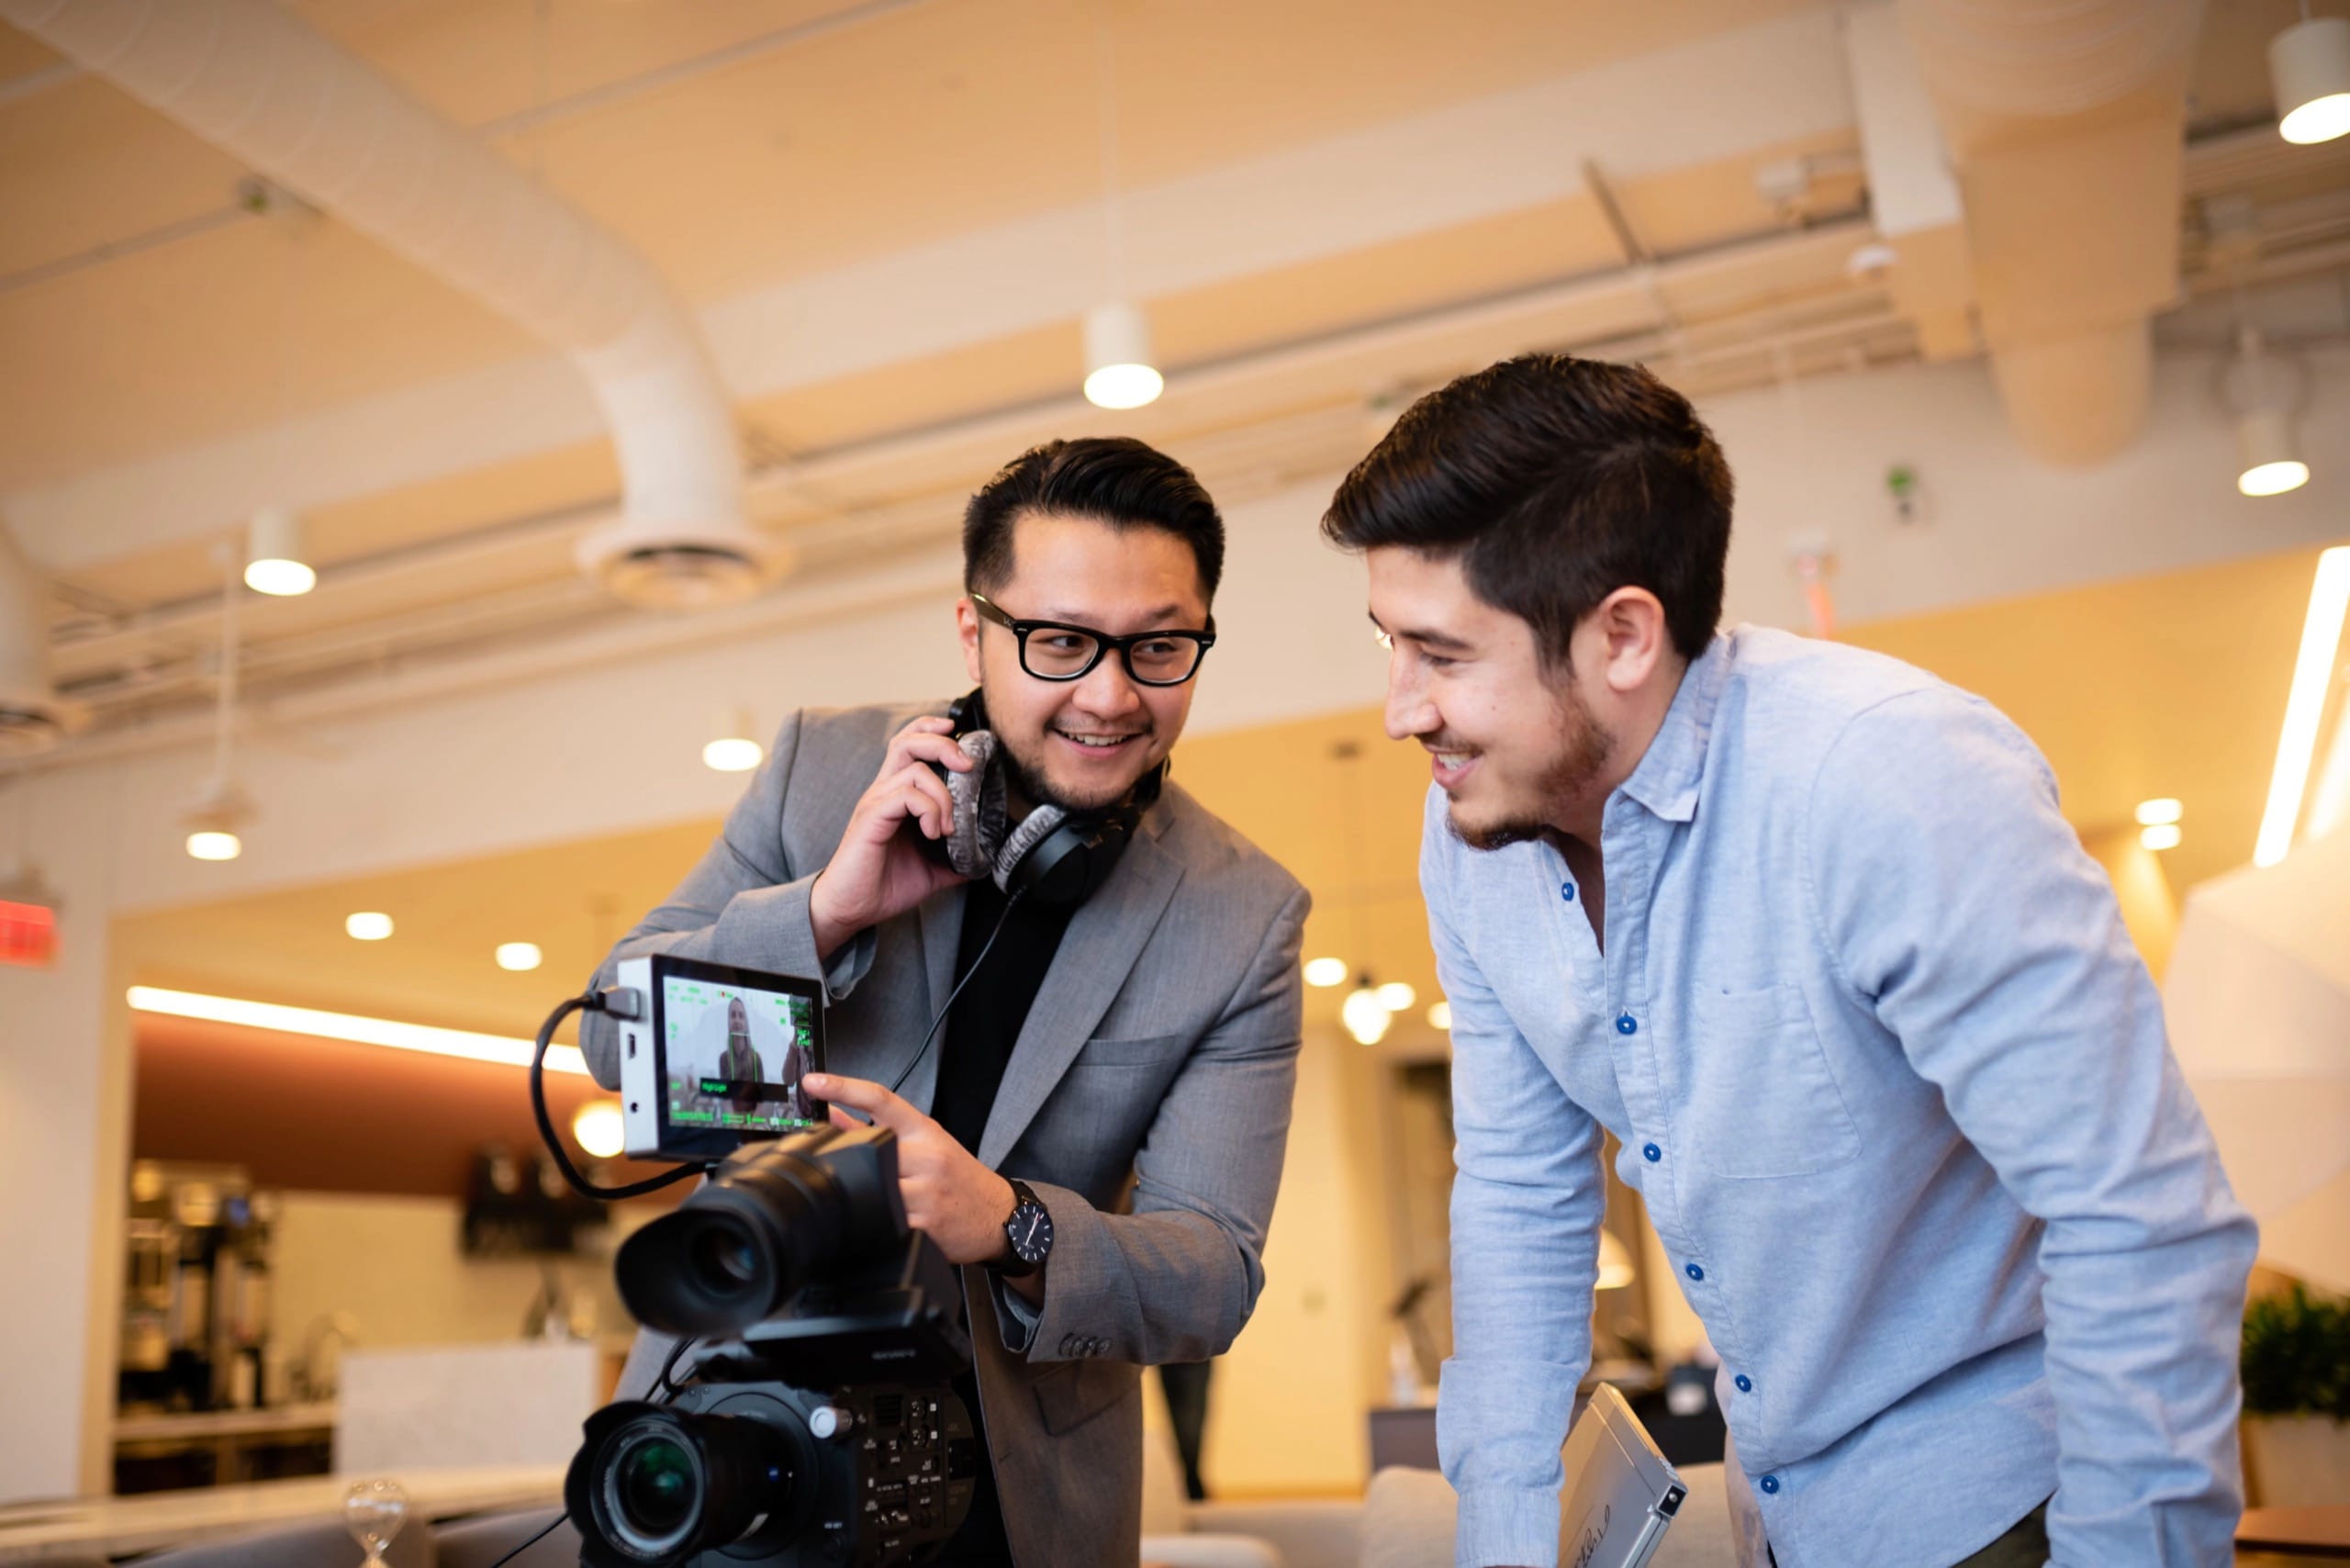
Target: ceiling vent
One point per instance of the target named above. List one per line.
(675, 569)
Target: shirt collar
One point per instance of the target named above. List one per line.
(1666, 780)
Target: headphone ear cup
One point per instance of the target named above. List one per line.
(975, 843)
(1029, 850)
(1064, 859)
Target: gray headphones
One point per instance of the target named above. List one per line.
(1051, 856)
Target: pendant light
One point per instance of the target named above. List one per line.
(2263, 391)
(221, 806)
(732, 746)
(1120, 371)
(274, 563)
(1364, 1014)
(2308, 65)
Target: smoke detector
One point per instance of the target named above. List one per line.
(661, 565)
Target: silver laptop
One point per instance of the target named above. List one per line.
(1620, 1493)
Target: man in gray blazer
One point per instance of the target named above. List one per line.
(1125, 1066)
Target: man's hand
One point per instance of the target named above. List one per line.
(950, 1196)
(878, 870)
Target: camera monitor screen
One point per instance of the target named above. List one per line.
(734, 1045)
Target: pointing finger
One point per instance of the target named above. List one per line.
(886, 1109)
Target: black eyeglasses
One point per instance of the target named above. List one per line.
(1055, 650)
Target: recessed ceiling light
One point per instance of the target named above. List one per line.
(600, 1128)
(1325, 971)
(368, 926)
(2162, 835)
(1397, 996)
(2157, 811)
(518, 956)
(1440, 1015)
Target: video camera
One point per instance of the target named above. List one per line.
(819, 1426)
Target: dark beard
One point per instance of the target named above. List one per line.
(1027, 784)
(1587, 752)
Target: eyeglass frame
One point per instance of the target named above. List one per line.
(1103, 643)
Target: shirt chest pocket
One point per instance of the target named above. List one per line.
(1761, 1098)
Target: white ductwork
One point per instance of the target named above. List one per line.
(256, 82)
(32, 717)
(2064, 120)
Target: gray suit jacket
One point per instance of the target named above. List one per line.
(1147, 1100)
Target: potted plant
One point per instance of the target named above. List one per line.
(2296, 1362)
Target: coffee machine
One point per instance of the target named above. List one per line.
(196, 1323)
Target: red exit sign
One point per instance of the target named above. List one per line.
(27, 934)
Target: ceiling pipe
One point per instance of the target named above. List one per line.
(33, 717)
(2065, 124)
(255, 81)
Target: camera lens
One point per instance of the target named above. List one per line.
(657, 1486)
(653, 1489)
(724, 1260)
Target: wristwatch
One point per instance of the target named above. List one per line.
(1030, 1232)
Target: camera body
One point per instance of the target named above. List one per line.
(874, 1474)
(714, 1057)
(821, 1425)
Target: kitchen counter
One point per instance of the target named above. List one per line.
(116, 1527)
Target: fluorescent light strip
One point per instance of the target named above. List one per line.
(2312, 673)
(349, 1027)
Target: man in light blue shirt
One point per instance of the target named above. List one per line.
(1803, 927)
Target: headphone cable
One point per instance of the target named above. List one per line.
(1010, 902)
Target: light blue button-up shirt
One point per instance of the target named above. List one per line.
(1895, 1087)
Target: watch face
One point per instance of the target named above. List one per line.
(1031, 1229)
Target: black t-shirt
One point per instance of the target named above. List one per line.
(981, 1029)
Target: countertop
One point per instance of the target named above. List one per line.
(116, 1527)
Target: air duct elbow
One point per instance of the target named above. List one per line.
(253, 79)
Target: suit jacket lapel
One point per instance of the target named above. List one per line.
(1099, 950)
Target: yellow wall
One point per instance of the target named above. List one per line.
(1287, 1408)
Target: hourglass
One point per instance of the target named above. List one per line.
(373, 1511)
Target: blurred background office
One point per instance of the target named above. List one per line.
(441, 440)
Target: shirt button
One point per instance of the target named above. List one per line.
(1694, 1271)
(1745, 1383)
(1625, 1026)
(1771, 1485)
(1567, 892)
(1650, 1153)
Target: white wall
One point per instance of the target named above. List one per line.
(397, 1266)
(605, 748)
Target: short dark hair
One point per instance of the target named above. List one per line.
(1557, 481)
(1112, 479)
